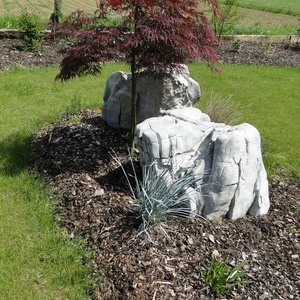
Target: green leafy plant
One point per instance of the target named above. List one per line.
(291, 230)
(221, 279)
(237, 45)
(297, 207)
(31, 31)
(158, 196)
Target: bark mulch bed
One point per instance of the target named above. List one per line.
(74, 158)
(258, 53)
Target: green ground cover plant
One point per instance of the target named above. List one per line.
(221, 279)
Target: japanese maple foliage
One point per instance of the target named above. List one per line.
(154, 35)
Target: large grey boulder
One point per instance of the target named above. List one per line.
(227, 161)
(154, 95)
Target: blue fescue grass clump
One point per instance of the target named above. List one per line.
(159, 196)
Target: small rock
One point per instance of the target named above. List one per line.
(215, 254)
(99, 192)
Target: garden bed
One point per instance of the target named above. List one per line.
(258, 53)
(73, 157)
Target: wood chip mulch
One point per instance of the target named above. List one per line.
(75, 159)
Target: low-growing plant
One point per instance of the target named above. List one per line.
(67, 42)
(31, 31)
(223, 110)
(297, 207)
(291, 230)
(221, 279)
(237, 45)
(158, 196)
(268, 48)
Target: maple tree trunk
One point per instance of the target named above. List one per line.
(133, 90)
(133, 103)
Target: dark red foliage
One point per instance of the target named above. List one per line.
(168, 33)
(153, 34)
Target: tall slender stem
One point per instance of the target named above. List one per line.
(133, 89)
(133, 103)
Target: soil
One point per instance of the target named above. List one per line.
(258, 53)
(74, 157)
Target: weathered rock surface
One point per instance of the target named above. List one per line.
(226, 159)
(154, 95)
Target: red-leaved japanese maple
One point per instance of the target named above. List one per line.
(154, 35)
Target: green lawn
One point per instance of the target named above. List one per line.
(270, 100)
(37, 259)
(287, 7)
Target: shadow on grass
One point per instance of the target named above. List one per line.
(16, 152)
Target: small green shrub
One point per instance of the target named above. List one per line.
(237, 45)
(221, 279)
(31, 31)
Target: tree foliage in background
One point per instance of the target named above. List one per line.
(56, 16)
(154, 35)
(230, 17)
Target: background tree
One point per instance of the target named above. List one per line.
(153, 35)
(56, 16)
(230, 16)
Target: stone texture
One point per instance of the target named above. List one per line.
(226, 159)
(154, 96)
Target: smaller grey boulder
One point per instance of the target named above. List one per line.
(154, 96)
